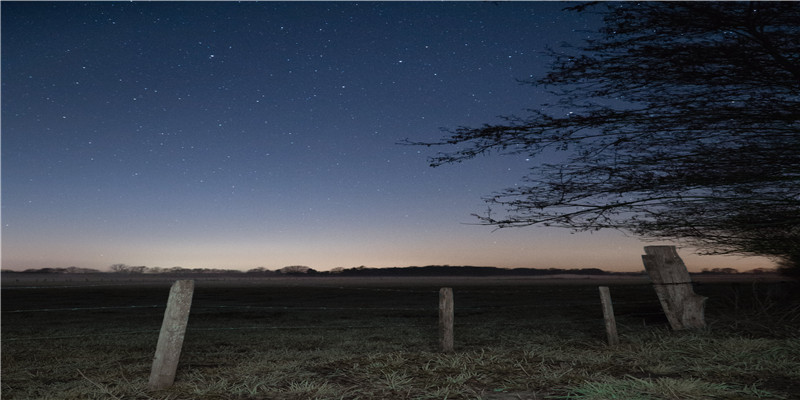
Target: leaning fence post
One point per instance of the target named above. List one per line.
(446, 319)
(608, 316)
(684, 308)
(170, 340)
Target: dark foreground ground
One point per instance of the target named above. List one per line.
(377, 338)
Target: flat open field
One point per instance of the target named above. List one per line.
(93, 337)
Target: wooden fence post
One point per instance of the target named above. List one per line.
(608, 316)
(446, 319)
(170, 340)
(684, 308)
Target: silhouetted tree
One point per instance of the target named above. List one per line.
(120, 268)
(127, 269)
(296, 270)
(679, 121)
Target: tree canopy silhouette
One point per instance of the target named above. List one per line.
(680, 121)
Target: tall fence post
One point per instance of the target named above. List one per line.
(170, 340)
(683, 307)
(608, 316)
(446, 319)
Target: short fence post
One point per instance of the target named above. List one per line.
(608, 316)
(446, 319)
(170, 340)
(684, 308)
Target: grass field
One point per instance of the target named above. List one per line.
(376, 338)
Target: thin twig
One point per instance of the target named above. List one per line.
(101, 387)
(122, 373)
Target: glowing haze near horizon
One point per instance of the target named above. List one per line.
(223, 135)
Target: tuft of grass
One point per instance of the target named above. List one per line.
(631, 388)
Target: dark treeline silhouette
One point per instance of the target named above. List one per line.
(67, 270)
(446, 270)
(362, 271)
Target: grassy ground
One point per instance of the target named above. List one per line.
(377, 339)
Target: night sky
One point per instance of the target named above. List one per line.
(224, 135)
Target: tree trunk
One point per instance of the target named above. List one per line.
(684, 308)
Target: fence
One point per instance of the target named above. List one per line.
(419, 306)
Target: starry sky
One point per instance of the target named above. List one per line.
(242, 135)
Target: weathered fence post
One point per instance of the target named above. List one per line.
(684, 308)
(608, 316)
(170, 340)
(446, 319)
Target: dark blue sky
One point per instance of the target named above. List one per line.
(216, 134)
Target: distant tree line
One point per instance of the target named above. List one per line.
(67, 270)
(363, 271)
